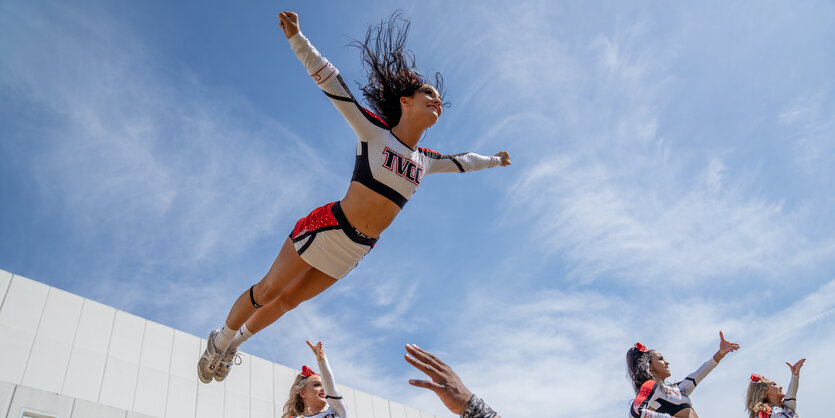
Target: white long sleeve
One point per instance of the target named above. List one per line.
(689, 383)
(334, 398)
(790, 401)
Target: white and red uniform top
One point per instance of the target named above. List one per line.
(336, 405)
(384, 164)
(661, 400)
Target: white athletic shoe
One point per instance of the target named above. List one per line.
(207, 365)
(229, 358)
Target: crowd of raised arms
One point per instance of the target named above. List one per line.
(328, 243)
(315, 395)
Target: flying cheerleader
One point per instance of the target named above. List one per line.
(325, 245)
(654, 397)
(765, 399)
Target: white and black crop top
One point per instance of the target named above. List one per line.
(384, 164)
(662, 400)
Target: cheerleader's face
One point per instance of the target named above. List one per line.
(659, 367)
(774, 395)
(313, 394)
(424, 106)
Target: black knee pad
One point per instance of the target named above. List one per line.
(252, 298)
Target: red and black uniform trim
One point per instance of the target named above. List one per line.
(438, 156)
(325, 218)
(369, 115)
(642, 399)
(647, 394)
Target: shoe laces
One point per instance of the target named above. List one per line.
(231, 357)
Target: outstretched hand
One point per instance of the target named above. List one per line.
(445, 382)
(318, 351)
(504, 156)
(725, 347)
(289, 23)
(796, 366)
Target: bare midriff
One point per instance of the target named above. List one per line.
(368, 211)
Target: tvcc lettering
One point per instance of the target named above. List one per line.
(403, 166)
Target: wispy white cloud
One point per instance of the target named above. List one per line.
(603, 185)
(811, 121)
(164, 181)
(657, 228)
(156, 163)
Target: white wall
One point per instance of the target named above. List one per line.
(71, 357)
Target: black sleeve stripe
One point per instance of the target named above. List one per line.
(789, 399)
(333, 397)
(438, 156)
(691, 379)
(374, 119)
(340, 98)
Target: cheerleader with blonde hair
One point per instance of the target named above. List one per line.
(766, 399)
(313, 395)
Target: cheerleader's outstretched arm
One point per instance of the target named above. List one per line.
(332, 395)
(790, 401)
(364, 123)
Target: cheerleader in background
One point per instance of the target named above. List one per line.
(765, 399)
(313, 395)
(655, 398)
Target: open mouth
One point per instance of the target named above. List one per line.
(435, 108)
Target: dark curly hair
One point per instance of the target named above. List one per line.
(637, 366)
(391, 68)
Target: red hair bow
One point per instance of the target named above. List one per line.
(756, 377)
(641, 347)
(306, 372)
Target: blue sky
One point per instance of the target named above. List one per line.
(672, 176)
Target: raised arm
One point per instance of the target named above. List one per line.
(326, 76)
(332, 395)
(447, 385)
(790, 401)
(689, 383)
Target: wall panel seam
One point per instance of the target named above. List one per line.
(11, 400)
(170, 375)
(6, 294)
(37, 331)
(139, 364)
(107, 355)
(74, 338)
